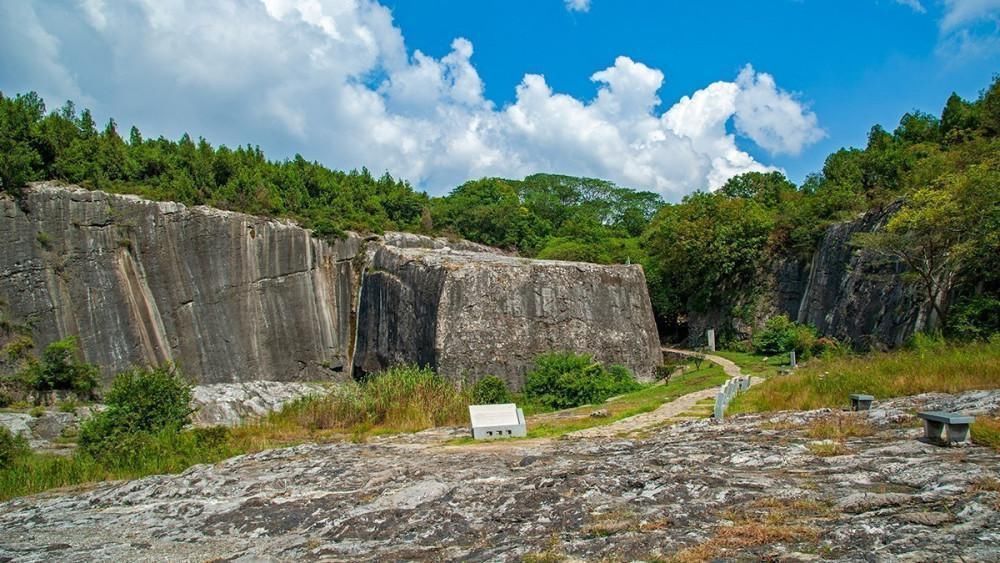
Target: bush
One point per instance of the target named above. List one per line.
(141, 401)
(491, 390)
(782, 335)
(60, 370)
(563, 380)
(11, 447)
(975, 318)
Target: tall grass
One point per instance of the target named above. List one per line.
(986, 431)
(165, 452)
(928, 366)
(401, 399)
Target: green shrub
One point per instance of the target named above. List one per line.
(663, 372)
(60, 370)
(782, 335)
(491, 390)
(563, 380)
(11, 447)
(975, 318)
(141, 401)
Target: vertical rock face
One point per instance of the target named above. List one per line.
(229, 297)
(844, 292)
(480, 313)
(854, 296)
(234, 298)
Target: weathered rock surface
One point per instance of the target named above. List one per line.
(233, 298)
(747, 489)
(474, 313)
(852, 295)
(229, 404)
(845, 292)
(44, 430)
(229, 297)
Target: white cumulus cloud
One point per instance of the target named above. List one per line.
(578, 5)
(334, 81)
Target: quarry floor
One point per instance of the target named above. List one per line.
(749, 488)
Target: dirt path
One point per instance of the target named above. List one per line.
(731, 369)
(668, 410)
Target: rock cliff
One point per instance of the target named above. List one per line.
(845, 292)
(476, 313)
(233, 297)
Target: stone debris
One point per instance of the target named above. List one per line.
(744, 489)
(229, 404)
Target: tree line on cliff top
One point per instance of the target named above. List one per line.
(697, 254)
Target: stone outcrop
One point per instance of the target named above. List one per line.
(229, 404)
(855, 296)
(233, 298)
(845, 292)
(229, 297)
(468, 314)
(747, 489)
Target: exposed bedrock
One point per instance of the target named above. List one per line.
(468, 314)
(229, 297)
(234, 298)
(845, 292)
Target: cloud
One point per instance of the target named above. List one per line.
(970, 30)
(578, 5)
(334, 81)
(963, 13)
(915, 5)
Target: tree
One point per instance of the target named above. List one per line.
(926, 235)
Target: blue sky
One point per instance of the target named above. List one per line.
(667, 96)
(855, 62)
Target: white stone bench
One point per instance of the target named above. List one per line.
(490, 422)
(946, 427)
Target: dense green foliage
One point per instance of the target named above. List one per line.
(551, 216)
(491, 390)
(60, 370)
(563, 379)
(709, 251)
(145, 408)
(781, 335)
(67, 145)
(11, 447)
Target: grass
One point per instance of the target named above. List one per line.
(828, 448)
(986, 431)
(401, 399)
(165, 453)
(759, 523)
(839, 426)
(758, 366)
(940, 367)
(644, 400)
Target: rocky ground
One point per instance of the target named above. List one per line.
(751, 488)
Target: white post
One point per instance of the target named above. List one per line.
(710, 334)
(791, 358)
(719, 407)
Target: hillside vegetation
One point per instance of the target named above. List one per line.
(926, 366)
(945, 169)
